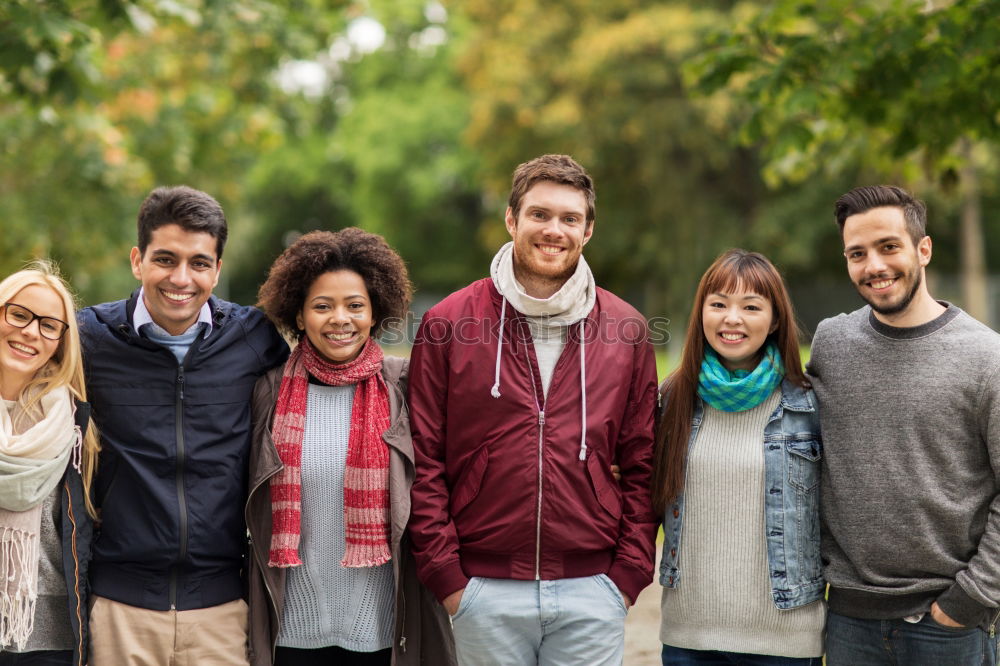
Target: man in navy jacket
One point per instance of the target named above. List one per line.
(170, 372)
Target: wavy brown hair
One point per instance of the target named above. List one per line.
(284, 292)
(735, 270)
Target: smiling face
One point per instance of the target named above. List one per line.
(549, 234)
(884, 264)
(337, 315)
(23, 351)
(178, 271)
(736, 326)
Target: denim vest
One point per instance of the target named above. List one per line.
(792, 448)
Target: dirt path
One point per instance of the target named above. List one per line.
(642, 626)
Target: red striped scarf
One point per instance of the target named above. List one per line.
(366, 475)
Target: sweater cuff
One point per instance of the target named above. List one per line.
(446, 580)
(630, 581)
(960, 607)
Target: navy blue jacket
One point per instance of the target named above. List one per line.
(175, 441)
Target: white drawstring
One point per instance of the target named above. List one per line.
(76, 456)
(495, 391)
(583, 395)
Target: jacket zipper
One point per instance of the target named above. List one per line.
(179, 481)
(538, 518)
(993, 625)
(541, 448)
(76, 575)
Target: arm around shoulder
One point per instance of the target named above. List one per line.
(272, 349)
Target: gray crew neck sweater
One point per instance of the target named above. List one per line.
(911, 465)
(327, 604)
(725, 602)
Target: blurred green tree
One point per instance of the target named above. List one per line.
(909, 89)
(382, 150)
(604, 82)
(103, 101)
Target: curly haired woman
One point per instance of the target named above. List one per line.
(332, 580)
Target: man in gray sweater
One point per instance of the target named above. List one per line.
(909, 394)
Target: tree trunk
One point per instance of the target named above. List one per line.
(973, 253)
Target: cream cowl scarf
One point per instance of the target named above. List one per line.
(574, 300)
(31, 464)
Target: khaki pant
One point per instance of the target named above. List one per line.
(123, 635)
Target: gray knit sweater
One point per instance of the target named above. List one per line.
(911, 465)
(325, 603)
(725, 601)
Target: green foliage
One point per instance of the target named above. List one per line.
(906, 88)
(605, 83)
(876, 81)
(105, 100)
(706, 125)
(388, 158)
(48, 48)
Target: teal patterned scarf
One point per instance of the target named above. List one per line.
(739, 390)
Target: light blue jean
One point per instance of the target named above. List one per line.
(851, 641)
(568, 622)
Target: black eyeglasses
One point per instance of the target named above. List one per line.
(20, 316)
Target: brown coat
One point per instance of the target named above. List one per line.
(423, 631)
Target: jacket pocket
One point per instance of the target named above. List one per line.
(470, 481)
(803, 464)
(608, 496)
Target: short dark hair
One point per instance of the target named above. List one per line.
(283, 294)
(863, 199)
(190, 209)
(560, 169)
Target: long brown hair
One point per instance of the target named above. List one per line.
(734, 270)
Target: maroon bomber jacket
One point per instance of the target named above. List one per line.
(503, 487)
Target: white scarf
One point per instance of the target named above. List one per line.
(31, 464)
(571, 303)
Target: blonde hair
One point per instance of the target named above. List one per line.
(65, 368)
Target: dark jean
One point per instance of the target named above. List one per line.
(37, 658)
(675, 656)
(330, 656)
(851, 641)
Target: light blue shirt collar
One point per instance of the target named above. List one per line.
(141, 317)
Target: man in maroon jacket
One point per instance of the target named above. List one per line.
(525, 388)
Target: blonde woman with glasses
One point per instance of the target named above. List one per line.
(47, 458)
